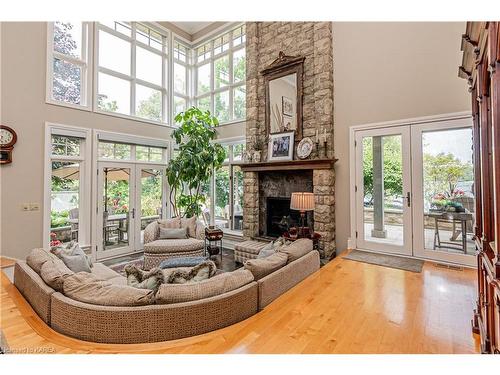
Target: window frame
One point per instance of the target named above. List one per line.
(85, 64)
(231, 163)
(132, 78)
(84, 199)
(231, 86)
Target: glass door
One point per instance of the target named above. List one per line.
(383, 190)
(115, 209)
(443, 185)
(151, 199)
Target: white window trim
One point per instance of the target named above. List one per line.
(84, 236)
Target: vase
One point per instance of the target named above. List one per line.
(247, 156)
(256, 156)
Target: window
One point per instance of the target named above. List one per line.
(227, 201)
(131, 64)
(119, 151)
(220, 72)
(69, 79)
(142, 71)
(67, 201)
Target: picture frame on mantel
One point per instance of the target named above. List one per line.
(283, 80)
(280, 147)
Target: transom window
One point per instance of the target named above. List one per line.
(108, 150)
(131, 70)
(220, 72)
(145, 72)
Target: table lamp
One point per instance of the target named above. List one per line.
(302, 202)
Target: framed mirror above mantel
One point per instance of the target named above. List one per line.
(283, 80)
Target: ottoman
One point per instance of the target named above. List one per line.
(247, 250)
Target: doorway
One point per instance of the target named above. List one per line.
(130, 196)
(413, 190)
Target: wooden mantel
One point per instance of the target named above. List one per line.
(288, 165)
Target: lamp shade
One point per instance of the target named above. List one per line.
(302, 202)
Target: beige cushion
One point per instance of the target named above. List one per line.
(297, 249)
(118, 280)
(220, 284)
(103, 272)
(173, 233)
(190, 225)
(86, 287)
(173, 246)
(54, 272)
(262, 267)
(37, 258)
(170, 223)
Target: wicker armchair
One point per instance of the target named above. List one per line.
(156, 250)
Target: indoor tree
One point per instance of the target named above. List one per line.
(197, 158)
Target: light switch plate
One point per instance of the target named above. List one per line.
(25, 207)
(34, 207)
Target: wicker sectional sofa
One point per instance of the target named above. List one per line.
(156, 322)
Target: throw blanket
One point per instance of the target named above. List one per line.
(154, 278)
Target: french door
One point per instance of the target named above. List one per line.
(383, 190)
(414, 192)
(129, 197)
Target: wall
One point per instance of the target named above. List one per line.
(23, 108)
(390, 71)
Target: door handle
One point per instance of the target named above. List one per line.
(408, 199)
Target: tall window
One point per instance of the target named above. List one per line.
(67, 177)
(182, 68)
(228, 197)
(131, 63)
(220, 72)
(68, 63)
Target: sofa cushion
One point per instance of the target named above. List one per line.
(173, 246)
(37, 257)
(220, 284)
(103, 272)
(173, 233)
(73, 257)
(86, 287)
(190, 225)
(262, 267)
(297, 249)
(118, 280)
(54, 272)
(170, 223)
(272, 247)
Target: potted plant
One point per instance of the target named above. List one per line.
(198, 157)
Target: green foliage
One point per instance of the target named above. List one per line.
(392, 162)
(197, 157)
(59, 218)
(150, 108)
(442, 172)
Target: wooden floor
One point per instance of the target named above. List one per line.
(346, 307)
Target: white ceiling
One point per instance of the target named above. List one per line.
(191, 27)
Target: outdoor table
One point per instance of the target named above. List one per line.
(448, 216)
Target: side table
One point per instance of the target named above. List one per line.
(213, 242)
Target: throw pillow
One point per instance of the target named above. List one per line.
(73, 256)
(190, 225)
(272, 247)
(54, 272)
(262, 267)
(168, 233)
(200, 272)
(297, 249)
(138, 278)
(170, 223)
(37, 258)
(86, 287)
(181, 262)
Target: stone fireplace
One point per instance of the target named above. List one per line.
(268, 181)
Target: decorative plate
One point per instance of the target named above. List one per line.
(304, 148)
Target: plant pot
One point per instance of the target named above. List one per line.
(256, 156)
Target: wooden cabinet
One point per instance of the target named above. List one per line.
(481, 68)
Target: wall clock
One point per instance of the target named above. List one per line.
(8, 139)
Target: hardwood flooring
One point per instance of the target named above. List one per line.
(346, 307)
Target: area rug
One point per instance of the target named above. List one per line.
(406, 264)
(120, 267)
